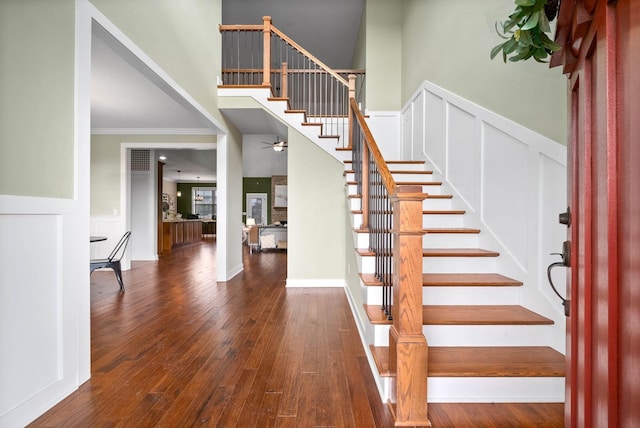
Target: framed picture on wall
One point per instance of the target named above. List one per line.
(280, 197)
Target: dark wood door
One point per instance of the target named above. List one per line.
(601, 55)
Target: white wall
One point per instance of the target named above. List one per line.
(144, 213)
(511, 180)
(260, 160)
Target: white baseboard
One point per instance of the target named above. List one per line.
(315, 283)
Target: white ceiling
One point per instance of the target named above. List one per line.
(128, 97)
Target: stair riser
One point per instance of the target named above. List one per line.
(366, 264)
(356, 220)
(487, 335)
(430, 189)
(456, 295)
(361, 239)
(477, 335)
(354, 204)
(437, 204)
(450, 240)
(429, 220)
(350, 176)
(398, 166)
(442, 220)
(441, 264)
(496, 389)
(458, 264)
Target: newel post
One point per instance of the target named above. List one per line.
(407, 344)
(266, 44)
(283, 82)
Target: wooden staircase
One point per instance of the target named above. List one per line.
(483, 345)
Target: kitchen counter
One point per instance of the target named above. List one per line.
(180, 232)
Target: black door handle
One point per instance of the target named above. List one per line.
(565, 217)
(566, 262)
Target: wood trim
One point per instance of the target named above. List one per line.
(611, 79)
(387, 178)
(408, 351)
(238, 27)
(266, 55)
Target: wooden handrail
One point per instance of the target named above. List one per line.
(236, 27)
(309, 55)
(387, 178)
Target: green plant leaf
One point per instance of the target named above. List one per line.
(525, 38)
(526, 54)
(525, 2)
(531, 22)
(497, 49)
(510, 46)
(543, 23)
(540, 54)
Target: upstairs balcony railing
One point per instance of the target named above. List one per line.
(262, 55)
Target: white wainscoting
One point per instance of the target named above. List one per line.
(511, 181)
(385, 127)
(44, 304)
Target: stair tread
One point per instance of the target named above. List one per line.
(496, 414)
(427, 212)
(468, 315)
(419, 183)
(438, 252)
(408, 171)
(429, 196)
(453, 280)
(398, 162)
(403, 171)
(468, 279)
(484, 361)
(451, 230)
(458, 252)
(443, 212)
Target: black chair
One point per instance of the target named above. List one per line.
(113, 261)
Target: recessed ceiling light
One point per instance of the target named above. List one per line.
(163, 157)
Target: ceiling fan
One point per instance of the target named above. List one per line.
(277, 146)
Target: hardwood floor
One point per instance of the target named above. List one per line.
(179, 349)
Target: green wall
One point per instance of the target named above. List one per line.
(37, 48)
(448, 43)
(383, 56)
(256, 185)
(316, 207)
(105, 165)
(183, 204)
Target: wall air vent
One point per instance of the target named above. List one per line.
(140, 159)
